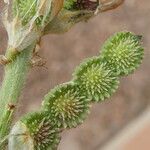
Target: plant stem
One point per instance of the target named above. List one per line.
(14, 78)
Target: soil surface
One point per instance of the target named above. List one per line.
(64, 52)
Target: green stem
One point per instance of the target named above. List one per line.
(14, 78)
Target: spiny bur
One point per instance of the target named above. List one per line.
(34, 131)
(123, 52)
(95, 80)
(67, 105)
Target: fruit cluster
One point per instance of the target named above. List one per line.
(94, 80)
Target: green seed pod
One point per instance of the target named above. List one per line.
(95, 80)
(66, 105)
(34, 132)
(123, 52)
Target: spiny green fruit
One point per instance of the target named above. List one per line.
(95, 80)
(123, 52)
(43, 131)
(35, 132)
(66, 104)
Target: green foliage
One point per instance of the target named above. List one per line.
(123, 52)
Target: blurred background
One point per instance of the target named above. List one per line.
(64, 52)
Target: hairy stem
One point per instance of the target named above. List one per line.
(14, 78)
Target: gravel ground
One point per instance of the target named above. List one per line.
(64, 52)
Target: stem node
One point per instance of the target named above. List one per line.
(4, 60)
